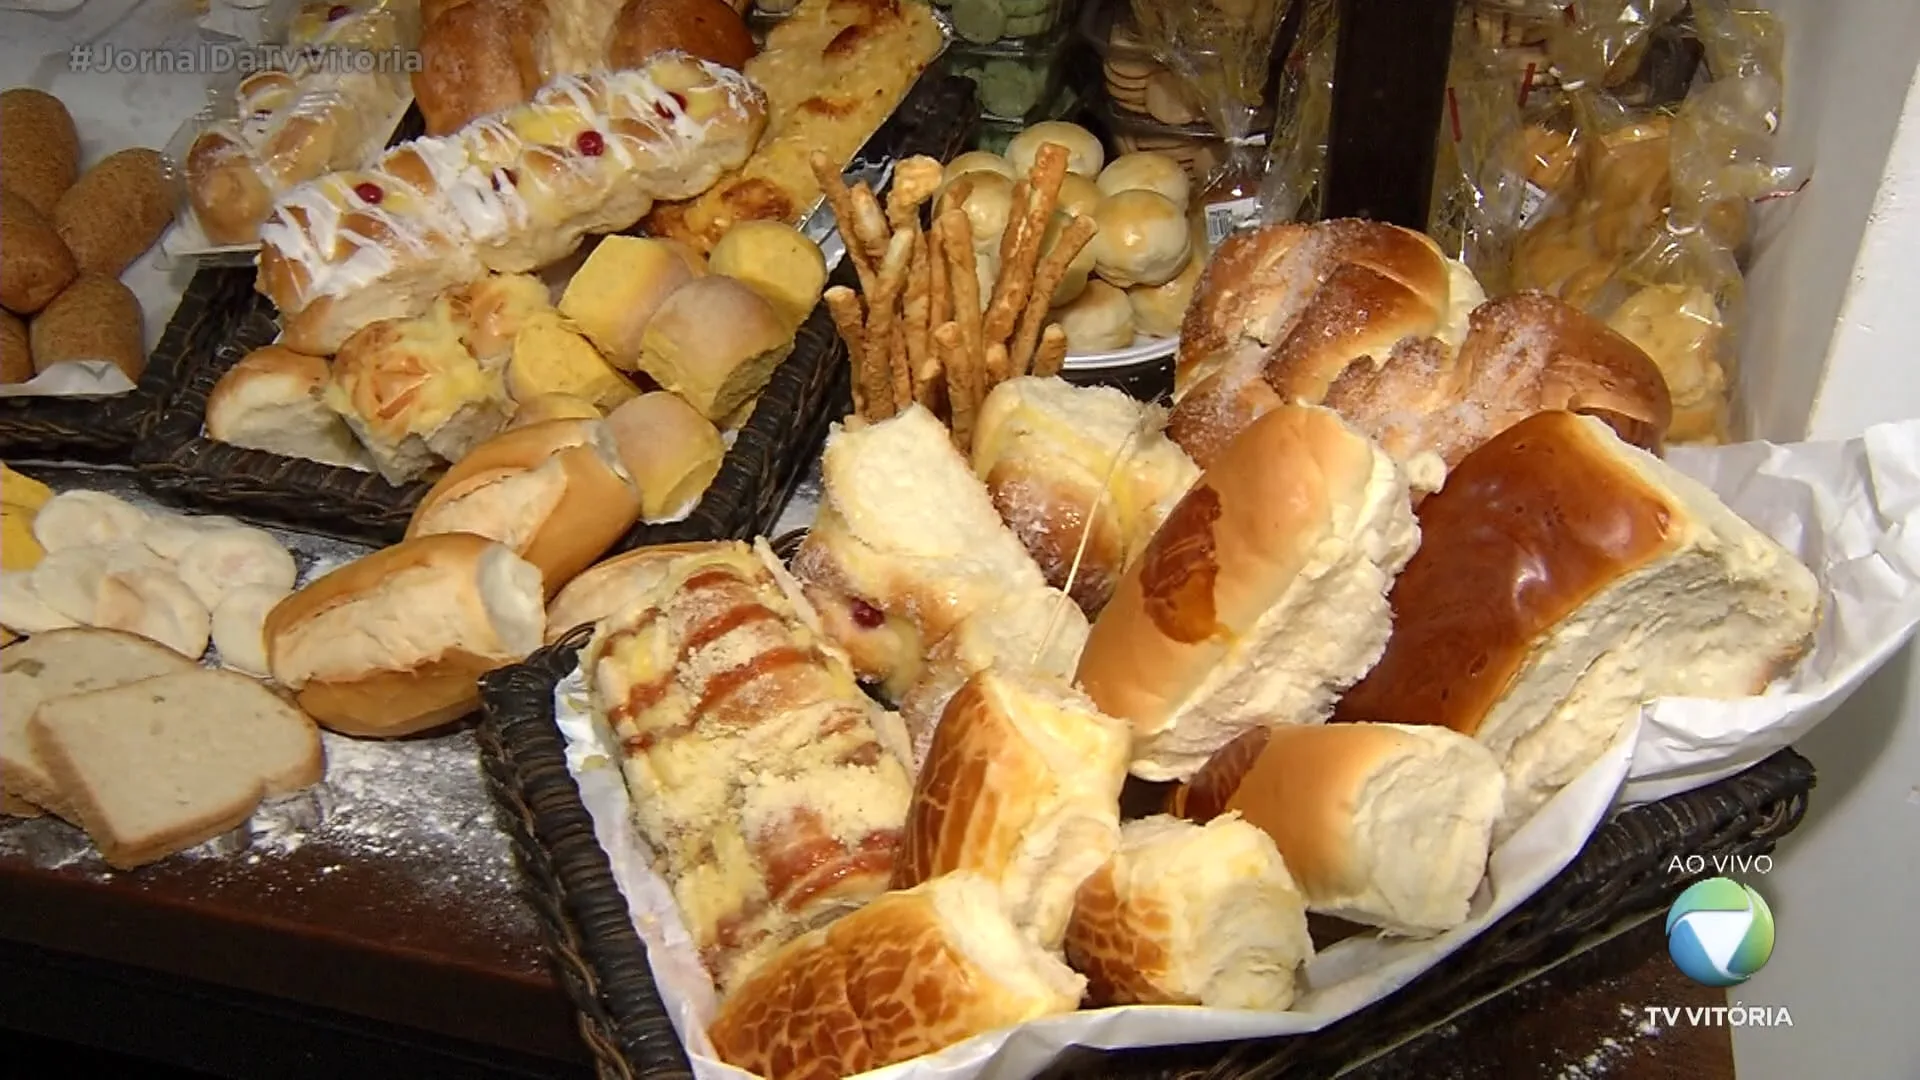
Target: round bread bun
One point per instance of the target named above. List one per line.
(171, 536)
(1146, 170)
(672, 452)
(1079, 195)
(715, 342)
(70, 580)
(541, 408)
(1159, 309)
(82, 518)
(1078, 271)
(1099, 320)
(976, 161)
(239, 628)
(988, 206)
(24, 610)
(225, 559)
(1085, 155)
(709, 29)
(157, 606)
(778, 261)
(1144, 239)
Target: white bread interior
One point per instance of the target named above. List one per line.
(1188, 914)
(1261, 597)
(973, 914)
(273, 400)
(616, 587)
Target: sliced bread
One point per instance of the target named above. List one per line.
(157, 766)
(55, 664)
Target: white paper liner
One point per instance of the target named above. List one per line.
(72, 378)
(1850, 510)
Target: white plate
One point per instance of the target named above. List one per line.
(1143, 350)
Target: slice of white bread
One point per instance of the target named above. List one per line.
(54, 665)
(156, 766)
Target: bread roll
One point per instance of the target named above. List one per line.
(977, 161)
(239, 625)
(617, 587)
(23, 609)
(1085, 155)
(414, 396)
(988, 206)
(222, 560)
(617, 291)
(94, 318)
(1381, 824)
(1034, 631)
(1540, 613)
(392, 644)
(489, 314)
(1082, 475)
(16, 356)
(550, 358)
(1079, 269)
(1185, 914)
(82, 518)
(274, 400)
(708, 29)
(1146, 170)
(1099, 320)
(778, 261)
(554, 494)
(1261, 597)
(39, 148)
(1022, 786)
(1158, 309)
(116, 210)
(1144, 238)
(907, 541)
(671, 451)
(715, 342)
(173, 536)
(154, 604)
(911, 973)
(35, 264)
(541, 408)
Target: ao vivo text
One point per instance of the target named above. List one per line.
(1720, 864)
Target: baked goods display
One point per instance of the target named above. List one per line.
(66, 236)
(483, 56)
(285, 125)
(832, 72)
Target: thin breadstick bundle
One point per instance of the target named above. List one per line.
(850, 320)
(841, 200)
(882, 315)
(1017, 266)
(963, 382)
(998, 369)
(1075, 237)
(914, 182)
(870, 222)
(1051, 354)
(956, 241)
(917, 309)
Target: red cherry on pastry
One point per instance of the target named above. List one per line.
(866, 615)
(369, 193)
(499, 183)
(591, 143)
(679, 101)
(338, 12)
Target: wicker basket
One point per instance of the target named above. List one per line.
(178, 461)
(1618, 881)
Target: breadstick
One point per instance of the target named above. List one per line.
(1016, 217)
(1046, 279)
(956, 238)
(917, 308)
(838, 197)
(963, 395)
(955, 196)
(1016, 269)
(844, 306)
(998, 368)
(939, 299)
(914, 182)
(882, 313)
(1052, 352)
(926, 379)
(870, 222)
(901, 367)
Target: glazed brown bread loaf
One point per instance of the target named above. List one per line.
(1379, 824)
(1187, 914)
(554, 494)
(116, 210)
(1261, 597)
(1564, 579)
(481, 56)
(393, 644)
(34, 262)
(94, 318)
(1021, 786)
(1373, 322)
(39, 148)
(911, 973)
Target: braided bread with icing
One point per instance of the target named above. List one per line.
(509, 193)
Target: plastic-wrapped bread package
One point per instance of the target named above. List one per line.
(771, 789)
(510, 192)
(332, 107)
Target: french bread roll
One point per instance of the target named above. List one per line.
(1261, 597)
(555, 406)
(1187, 914)
(394, 643)
(671, 451)
(1083, 475)
(1022, 786)
(715, 342)
(616, 587)
(907, 543)
(274, 400)
(1380, 824)
(1565, 579)
(554, 494)
(911, 973)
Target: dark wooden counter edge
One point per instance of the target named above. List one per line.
(406, 988)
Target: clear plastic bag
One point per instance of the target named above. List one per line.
(1303, 106)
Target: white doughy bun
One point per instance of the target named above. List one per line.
(226, 559)
(1085, 155)
(1079, 195)
(171, 536)
(1145, 170)
(988, 206)
(157, 606)
(23, 610)
(70, 580)
(1144, 239)
(1099, 320)
(978, 161)
(87, 518)
(239, 626)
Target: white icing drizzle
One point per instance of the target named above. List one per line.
(478, 176)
